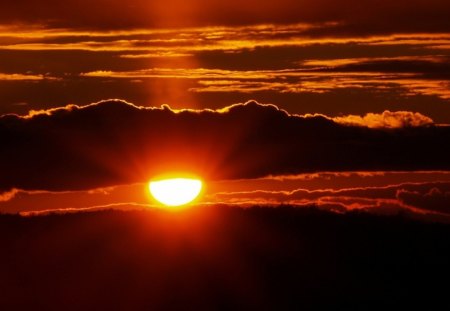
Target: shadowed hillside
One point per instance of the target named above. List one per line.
(221, 258)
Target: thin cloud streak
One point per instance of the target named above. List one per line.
(190, 40)
(25, 77)
(113, 206)
(275, 63)
(416, 197)
(286, 80)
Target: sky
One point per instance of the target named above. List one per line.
(341, 105)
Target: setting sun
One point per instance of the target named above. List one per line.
(175, 191)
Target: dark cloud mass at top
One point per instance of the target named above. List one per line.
(114, 142)
(370, 15)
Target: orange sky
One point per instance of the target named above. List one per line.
(383, 193)
(224, 154)
(379, 65)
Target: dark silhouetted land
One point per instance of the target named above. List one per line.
(222, 258)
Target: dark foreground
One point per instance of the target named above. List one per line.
(222, 259)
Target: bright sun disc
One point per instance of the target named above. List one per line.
(175, 191)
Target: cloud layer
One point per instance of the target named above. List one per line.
(302, 67)
(114, 142)
(419, 198)
(373, 16)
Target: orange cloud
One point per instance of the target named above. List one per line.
(24, 77)
(160, 42)
(386, 119)
(295, 80)
(9, 195)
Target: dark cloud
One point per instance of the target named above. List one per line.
(357, 101)
(434, 199)
(113, 142)
(432, 68)
(380, 192)
(60, 63)
(154, 92)
(355, 16)
(384, 192)
(281, 57)
(426, 201)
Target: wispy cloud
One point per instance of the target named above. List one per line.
(25, 77)
(147, 42)
(417, 197)
(387, 119)
(200, 65)
(287, 80)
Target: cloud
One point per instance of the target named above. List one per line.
(114, 142)
(213, 66)
(427, 197)
(8, 195)
(24, 77)
(182, 42)
(382, 192)
(434, 199)
(412, 77)
(373, 17)
(378, 189)
(124, 206)
(387, 119)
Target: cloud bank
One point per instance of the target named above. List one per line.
(114, 142)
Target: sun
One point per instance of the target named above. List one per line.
(175, 191)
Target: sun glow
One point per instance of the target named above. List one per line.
(175, 191)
